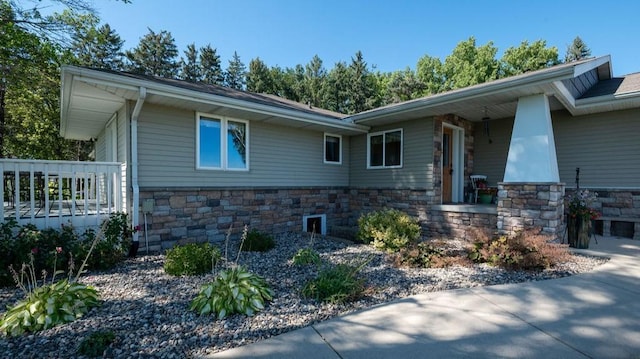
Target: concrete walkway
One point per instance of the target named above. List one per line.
(591, 315)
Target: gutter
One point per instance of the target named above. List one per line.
(463, 94)
(120, 81)
(135, 220)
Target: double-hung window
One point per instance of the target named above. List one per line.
(384, 149)
(221, 143)
(332, 149)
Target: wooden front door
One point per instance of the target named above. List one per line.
(447, 163)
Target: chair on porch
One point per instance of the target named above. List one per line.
(475, 181)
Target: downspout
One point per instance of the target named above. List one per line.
(135, 220)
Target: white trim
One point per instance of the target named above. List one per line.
(323, 223)
(457, 158)
(224, 155)
(324, 149)
(383, 133)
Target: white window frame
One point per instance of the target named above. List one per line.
(324, 149)
(384, 134)
(224, 120)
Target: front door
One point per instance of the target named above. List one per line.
(447, 164)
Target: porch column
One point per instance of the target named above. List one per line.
(531, 194)
(532, 152)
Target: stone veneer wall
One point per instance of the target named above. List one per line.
(526, 205)
(414, 202)
(458, 224)
(199, 215)
(616, 205)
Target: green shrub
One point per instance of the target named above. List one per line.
(338, 284)
(306, 256)
(528, 250)
(96, 343)
(420, 255)
(48, 306)
(234, 290)
(389, 230)
(191, 259)
(257, 242)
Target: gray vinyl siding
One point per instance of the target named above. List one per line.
(605, 146)
(490, 159)
(278, 156)
(101, 147)
(123, 135)
(417, 165)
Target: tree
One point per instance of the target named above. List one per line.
(189, 67)
(363, 90)
(578, 50)
(528, 57)
(315, 76)
(210, 67)
(155, 55)
(236, 72)
(429, 72)
(338, 85)
(403, 86)
(98, 47)
(259, 78)
(470, 65)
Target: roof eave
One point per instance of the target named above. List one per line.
(70, 73)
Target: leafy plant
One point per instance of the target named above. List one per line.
(256, 241)
(49, 303)
(529, 250)
(96, 343)
(306, 256)
(48, 306)
(337, 284)
(191, 259)
(389, 230)
(234, 290)
(420, 255)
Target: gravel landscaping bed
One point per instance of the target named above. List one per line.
(148, 309)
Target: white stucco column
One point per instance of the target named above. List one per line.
(532, 152)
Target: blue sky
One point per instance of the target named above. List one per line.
(391, 34)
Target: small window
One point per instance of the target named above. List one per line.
(332, 149)
(385, 149)
(215, 150)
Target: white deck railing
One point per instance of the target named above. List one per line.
(51, 193)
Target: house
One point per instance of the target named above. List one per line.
(199, 158)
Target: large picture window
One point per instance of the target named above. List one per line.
(384, 149)
(222, 143)
(332, 149)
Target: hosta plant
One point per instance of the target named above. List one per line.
(234, 290)
(48, 306)
(48, 302)
(306, 256)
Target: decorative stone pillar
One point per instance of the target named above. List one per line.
(531, 205)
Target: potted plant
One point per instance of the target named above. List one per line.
(580, 213)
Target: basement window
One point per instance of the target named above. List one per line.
(316, 223)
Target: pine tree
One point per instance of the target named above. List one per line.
(578, 50)
(236, 72)
(338, 89)
(155, 55)
(315, 77)
(98, 47)
(210, 66)
(363, 89)
(189, 66)
(259, 78)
